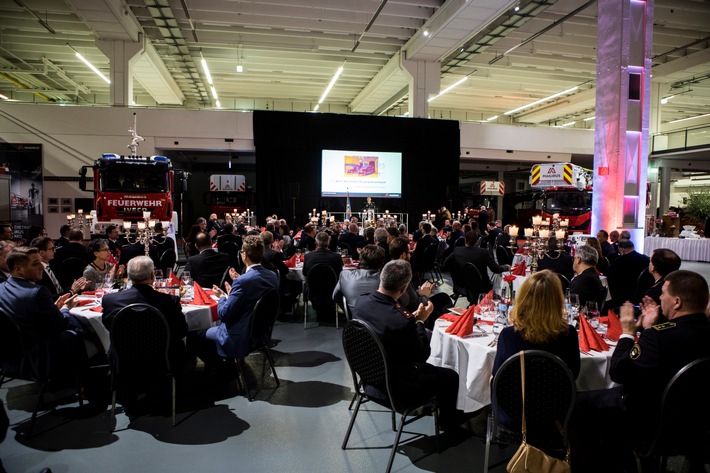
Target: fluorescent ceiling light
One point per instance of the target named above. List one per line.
(219, 105)
(3, 97)
(690, 118)
(315, 109)
(91, 66)
(665, 100)
(240, 68)
(590, 118)
(330, 85)
(494, 117)
(214, 92)
(537, 102)
(568, 124)
(207, 71)
(457, 83)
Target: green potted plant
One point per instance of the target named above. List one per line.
(697, 207)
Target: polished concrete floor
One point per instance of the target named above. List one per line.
(297, 427)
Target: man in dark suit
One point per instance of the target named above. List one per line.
(52, 351)
(453, 237)
(229, 236)
(624, 272)
(483, 218)
(586, 284)
(323, 303)
(422, 244)
(63, 234)
(208, 266)
(382, 239)
(141, 272)
(352, 238)
(273, 258)
(663, 262)
(307, 241)
(115, 242)
(235, 307)
(480, 258)
(45, 245)
(137, 248)
(74, 249)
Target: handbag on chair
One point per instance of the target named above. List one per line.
(529, 459)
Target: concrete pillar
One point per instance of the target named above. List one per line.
(122, 56)
(624, 39)
(664, 193)
(424, 80)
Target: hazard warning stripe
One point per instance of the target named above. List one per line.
(213, 187)
(567, 173)
(483, 187)
(535, 174)
(501, 188)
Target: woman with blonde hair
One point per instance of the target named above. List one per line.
(602, 263)
(538, 322)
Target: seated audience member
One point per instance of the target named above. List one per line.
(285, 233)
(308, 240)
(273, 258)
(190, 248)
(214, 228)
(419, 232)
(603, 237)
(352, 237)
(136, 248)
(663, 262)
(74, 249)
(392, 233)
(7, 233)
(406, 343)
(382, 240)
(538, 323)
(141, 272)
(603, 263)
(323, 305)
(625, 235)
(235, 307)
(115, 242)
(229, 235)
(6, 246)
(63, 234)
(97, 270)
(402, 228)
(363, 280)
(45, 245)
(51, 350)
(586, 284)
(493, 233)
(556, 260)
(614, 240)
(628, 416)
(369, 237)
(208, 266)
(480, 257)
(624, 272)
(418, 254)
(34, 231)
(453, 237)
(162, 241)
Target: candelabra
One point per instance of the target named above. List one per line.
(81, 221)
(537, 238)
(145, 230)
(427, 216)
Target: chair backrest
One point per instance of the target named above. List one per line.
(643, 284)
(429, 257)
(168, 260)
(263, 318)
(503, 256)
(473, 282)
(685, 413)
(232, 250)
(565, 283)
(550, 392)
(140, 337)
(71, 269)
(602, 297)
(321, 280)
(12, 346)
(346, 246)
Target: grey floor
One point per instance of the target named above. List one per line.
(298, 427)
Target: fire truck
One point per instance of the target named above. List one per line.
(564, 189)
(127, 186)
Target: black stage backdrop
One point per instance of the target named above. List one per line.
(288, 161)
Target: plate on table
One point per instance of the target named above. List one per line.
(457, 310)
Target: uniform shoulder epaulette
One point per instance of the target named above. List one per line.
(664, 326)
(402, 310)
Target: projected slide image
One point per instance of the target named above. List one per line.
(365, 166)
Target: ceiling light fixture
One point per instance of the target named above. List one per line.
(425, 32)
(455, 84)
(690, 118)
(330, 85)
(240, 58)
(91, 66)
(665, 100)
(568, 124)
(590, 118)
(517, 6)
(494, 117)
(537, 102)
(3, 97)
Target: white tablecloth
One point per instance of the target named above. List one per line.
(472, 359)
(689, 249)
(198, 317)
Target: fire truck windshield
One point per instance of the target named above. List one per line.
(568, 202)
(122, 177)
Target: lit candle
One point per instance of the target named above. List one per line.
(146, 215)
(544, 233)
(564, 223)
(513, 230)
(387, 212)
(537, 220)
(332, 218)
(126, 225)
(69, 217)
(560, 234)
(528, 232)
(151, 223)
(141, 225)
(80, 211)
(555, 216)
(234, 211)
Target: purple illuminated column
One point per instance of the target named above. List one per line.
(624, 35)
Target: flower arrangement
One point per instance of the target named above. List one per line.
(509, 295)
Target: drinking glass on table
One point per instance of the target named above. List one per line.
(572, 302)
(159, 281)
(484, 304)
(592, 312)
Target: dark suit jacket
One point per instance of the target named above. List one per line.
(480, 258)
(61, 241)
(236, 309)
(560, 265)
(329, 258)
(623, 274)
(208, 267)
(418, 252)
(275, 259)
(587, 286)
(70, 250)
(307, 242)
(351, 239)
(46, 281)
(166, 304)
(136, 249)
(230, 237)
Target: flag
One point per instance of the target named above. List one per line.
(348, 211)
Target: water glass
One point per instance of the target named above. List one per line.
(592, 310)
(572, 303)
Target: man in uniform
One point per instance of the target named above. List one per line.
(406, 342)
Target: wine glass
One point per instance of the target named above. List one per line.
(484, 304)
(186, 278)
(159, 282)
(572, 303)
(592, 310)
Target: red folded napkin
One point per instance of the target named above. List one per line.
(450, 317)
(98, 308)
(83, 302)
(519, 269)
(173, 281)
(291, 262)
(463, 326)
(613, 331)
(589, 339)
(200, 297)
(520, 251)
(88, 293)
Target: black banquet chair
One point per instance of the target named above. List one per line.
(70, 270)
(232, 250)
(550, 394)
(367, 360)
(261, 327)
(473, 282)
(320, 283)
(167, 261)
(684, 427)
(140, 339)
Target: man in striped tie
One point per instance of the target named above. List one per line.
(45, 245)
